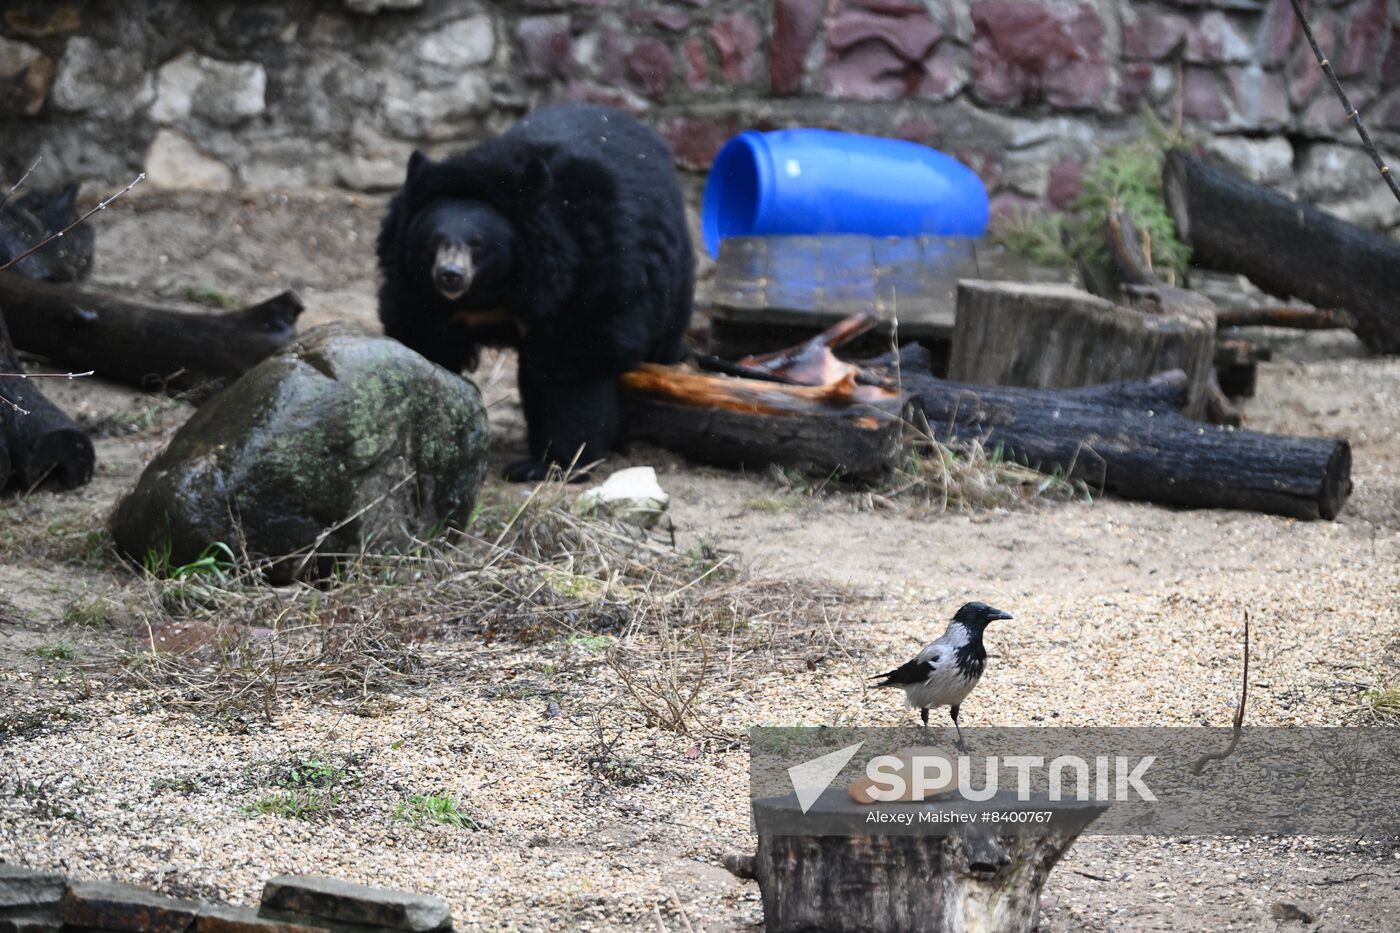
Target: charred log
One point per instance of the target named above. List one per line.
(1286, 247)
(37, 440)
(140, 344)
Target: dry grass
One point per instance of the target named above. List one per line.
(681, 623)
(939, 475)
(76, 537)
(968, 476)
(1379, 704)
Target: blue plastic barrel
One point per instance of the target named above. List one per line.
(809, 181)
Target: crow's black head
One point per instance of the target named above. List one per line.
(978, 615)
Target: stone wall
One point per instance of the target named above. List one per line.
(337, 92)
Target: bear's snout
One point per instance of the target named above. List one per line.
(452, 271)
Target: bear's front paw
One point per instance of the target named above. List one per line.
(533, 471)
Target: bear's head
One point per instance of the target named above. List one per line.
(464, 250)
(463, 234)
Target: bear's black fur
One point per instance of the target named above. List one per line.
(572, 224)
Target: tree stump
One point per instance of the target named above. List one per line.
(933, 878)
(1056, 336)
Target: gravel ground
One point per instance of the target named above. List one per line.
(1127, 614)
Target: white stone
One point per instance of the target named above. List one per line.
(632, 495)
(174, 161)
(1217, 32)
(105, 81)
(1027, 171)
(1263, 161)
(1327, 171)
(374, 162)
(432, 113)
(221, 92)
(1374, 210)
(15, 57)
(463, 43)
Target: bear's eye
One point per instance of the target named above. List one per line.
(474, 242)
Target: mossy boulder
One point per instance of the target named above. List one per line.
(341, 443)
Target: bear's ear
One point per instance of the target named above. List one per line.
(418, 162)
(535, 180)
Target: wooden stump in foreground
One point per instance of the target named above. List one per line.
(944, 877)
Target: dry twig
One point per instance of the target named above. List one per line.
(17, 185)
(1205, 759)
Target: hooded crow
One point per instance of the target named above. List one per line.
(947, 668)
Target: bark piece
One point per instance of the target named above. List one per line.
(104, 905)
(23, 889)
(224, 918)
(306, 896)
(1237, 365)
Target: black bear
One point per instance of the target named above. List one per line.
(566, 238)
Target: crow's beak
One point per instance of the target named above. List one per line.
(997, 615)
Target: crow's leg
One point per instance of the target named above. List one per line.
(962, 746)
(923, 714)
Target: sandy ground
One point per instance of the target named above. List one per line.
(1127, 614)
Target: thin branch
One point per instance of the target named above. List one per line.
(1352, 112)
(24, 411)
(90, 372)
(1201, 762)
(101, 206)
(16, 186)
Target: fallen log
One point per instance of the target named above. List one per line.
(841, 428)
(1100, 435)
(1286, 247)
(1057, 336)
(143, 345)
(37, 440)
